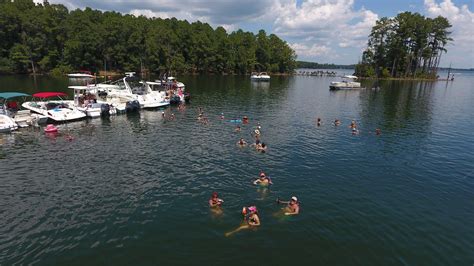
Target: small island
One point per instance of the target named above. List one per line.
(408, 46)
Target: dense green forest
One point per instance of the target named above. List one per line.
(408, 45)
(313, 65)
(47, 38)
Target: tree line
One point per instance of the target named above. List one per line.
(408, 45)
(48, 38)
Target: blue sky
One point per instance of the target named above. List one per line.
(323, 31)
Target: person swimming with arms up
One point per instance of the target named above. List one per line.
(292, 207)
(251, 220)
(215, 201)
(241, 142)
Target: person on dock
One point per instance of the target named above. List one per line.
(292, 207)
(263, 180)
(242, 142)
(215, 201)
(251, 220)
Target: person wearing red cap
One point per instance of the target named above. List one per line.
(293, 206)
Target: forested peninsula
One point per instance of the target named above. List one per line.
(48, 38)
(406, 46)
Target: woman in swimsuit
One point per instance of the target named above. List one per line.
(251, 220)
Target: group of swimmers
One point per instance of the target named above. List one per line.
(258, 145)
(352, 126)
(250, 214)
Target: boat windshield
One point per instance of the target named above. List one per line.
(56, 105)
(136, 86)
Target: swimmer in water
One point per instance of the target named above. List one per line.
(214, 201)
(261, 147)
(292, 207)
(251, 220)
(222, 115)
(319, 122)
(353, 124)
(337, 122)
(237, 128)
(263, 180)
(257, 133)
(378, 131)
(242, 142)
(245, 120)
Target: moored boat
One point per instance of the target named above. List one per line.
(262, 76)
(81, 75)
(23, 118)
(135, 89)
(7, 124)
(86, 101)
(56, 110)
(174, 90)
(347, 83)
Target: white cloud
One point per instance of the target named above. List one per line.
(310, 51)
(148, 13)
(461, 51)
(323, 23)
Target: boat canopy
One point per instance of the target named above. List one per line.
(8, 95)
(350, 77)
(49, 94)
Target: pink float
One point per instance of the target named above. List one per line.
(51, 129)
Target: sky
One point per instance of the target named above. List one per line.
(323, 31)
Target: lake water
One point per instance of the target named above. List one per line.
(133, 190)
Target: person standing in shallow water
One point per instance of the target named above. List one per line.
(215, 201)
(293, 206)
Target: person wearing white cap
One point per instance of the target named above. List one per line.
(293, 206)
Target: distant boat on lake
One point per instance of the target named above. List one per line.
(346, 83)
(262, 76)
(81, 75)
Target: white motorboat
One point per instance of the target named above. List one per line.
(85, 100)
(23, 118)
(174, 89)
(81, 75)
(7, 124)
(56, 110)
(262, 76)
(346, 83)
(132, 87)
